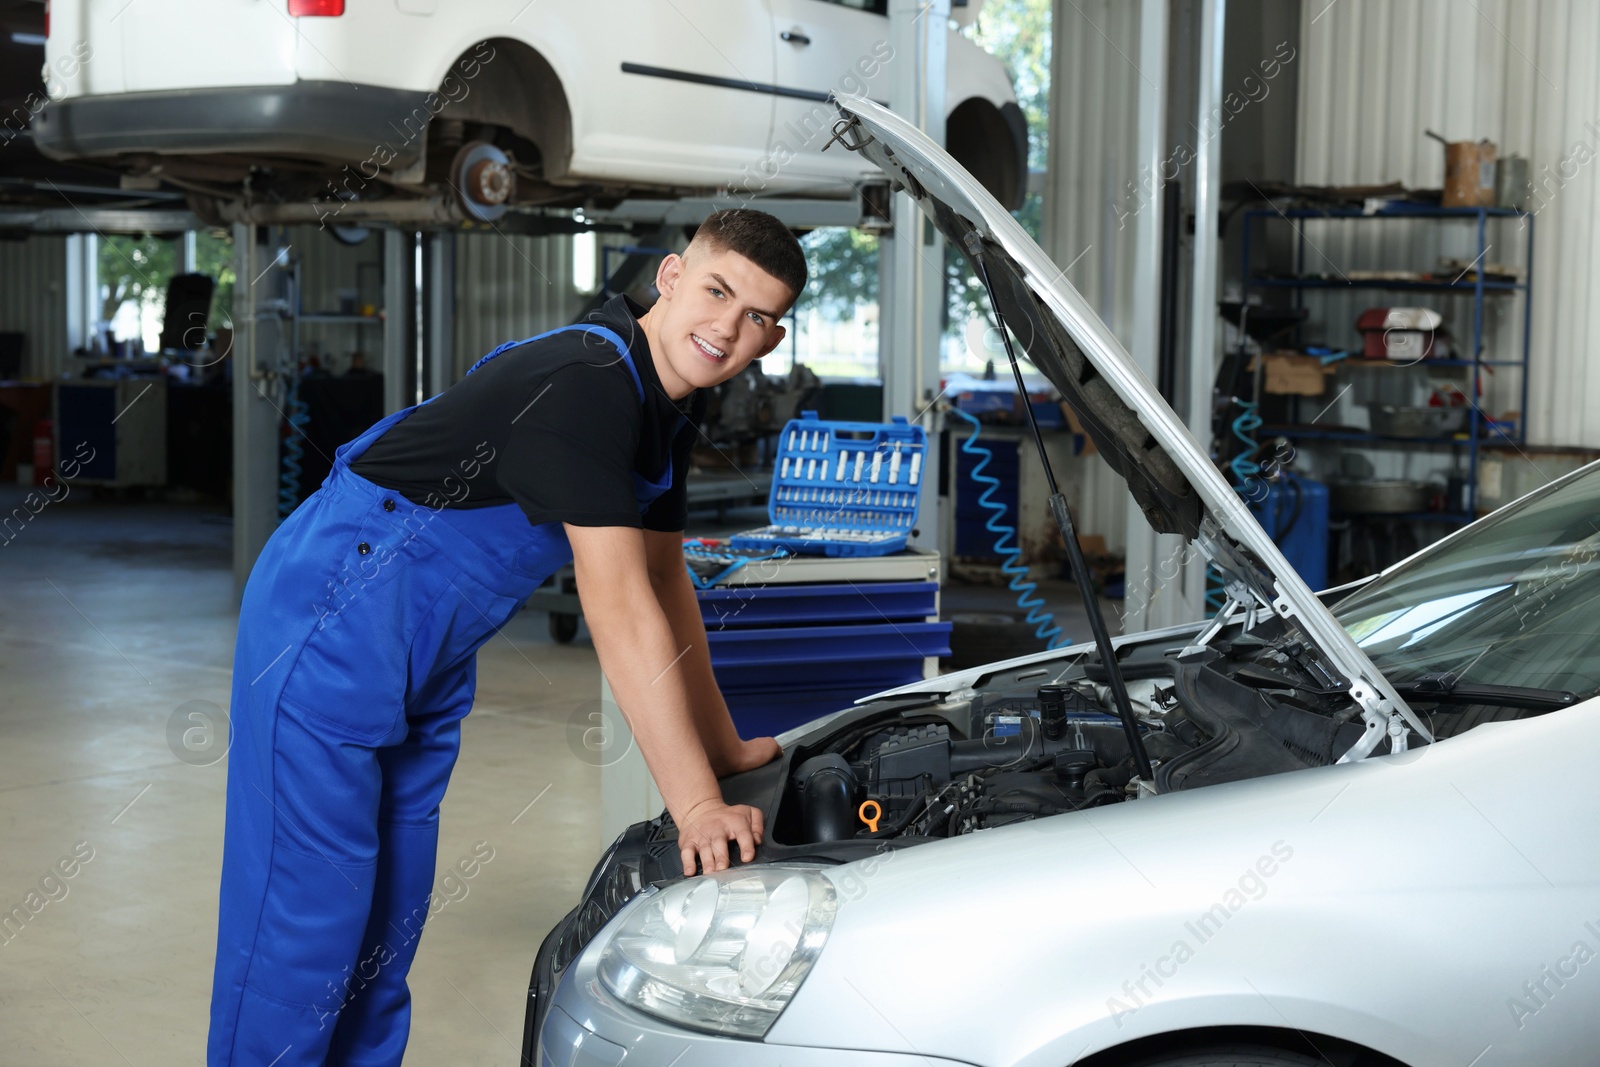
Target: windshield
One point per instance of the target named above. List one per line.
(1513, 601)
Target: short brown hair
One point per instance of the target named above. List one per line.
(760, 238)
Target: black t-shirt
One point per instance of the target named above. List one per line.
(555, 425)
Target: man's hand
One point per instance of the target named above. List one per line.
(756, 752)
(706, 829)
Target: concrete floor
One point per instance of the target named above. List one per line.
(117, 624)
(112, 618)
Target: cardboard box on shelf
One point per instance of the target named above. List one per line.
(1291, 374)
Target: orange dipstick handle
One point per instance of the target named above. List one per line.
(870, 819)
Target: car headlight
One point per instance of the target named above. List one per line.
(724, 952)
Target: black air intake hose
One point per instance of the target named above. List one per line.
(827, 798)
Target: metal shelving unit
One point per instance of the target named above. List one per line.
(1479, 288)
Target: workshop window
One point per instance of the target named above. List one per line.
(1019, 33)
(835, 327)
(130, 278)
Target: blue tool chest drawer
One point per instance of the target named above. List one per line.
(784, 654)
(787, 605)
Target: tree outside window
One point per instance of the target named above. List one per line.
(134, 272)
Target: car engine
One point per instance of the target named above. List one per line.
(1013, 758)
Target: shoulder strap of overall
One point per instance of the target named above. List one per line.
(602, 331)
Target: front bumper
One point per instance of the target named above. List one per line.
(318, 120)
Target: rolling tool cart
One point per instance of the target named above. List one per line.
(816, 609)
(115, 422)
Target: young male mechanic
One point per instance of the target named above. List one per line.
(362, 619)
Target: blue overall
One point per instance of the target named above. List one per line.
(356, 661)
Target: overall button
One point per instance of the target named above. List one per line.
(388, 505)
(363, 548)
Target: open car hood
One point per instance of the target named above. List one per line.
(1174, 481)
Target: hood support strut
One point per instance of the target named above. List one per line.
(1069, 536)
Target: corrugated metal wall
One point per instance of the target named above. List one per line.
(1093, 121)
(33, 301)
(509, 287)
(1088, 194)
(1376, 74)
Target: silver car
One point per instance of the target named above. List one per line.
(1356, 835)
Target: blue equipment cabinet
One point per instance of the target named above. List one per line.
(1294, 512)
(974, 540)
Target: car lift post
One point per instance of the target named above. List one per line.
(911, 257)
(260, 354)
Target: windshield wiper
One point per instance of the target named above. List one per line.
(1444, 688)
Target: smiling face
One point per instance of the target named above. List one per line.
(717, 314)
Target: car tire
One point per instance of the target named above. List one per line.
(984, 140)
(1230, 1056)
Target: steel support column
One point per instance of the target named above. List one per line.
(1203, 292)
(1166, 579)
(399, 320)
(260, 351)
(1146, 588)
(439, 313)
(911, 260)
(82, 305)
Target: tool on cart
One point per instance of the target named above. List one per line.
(710, 560)
(842, 488)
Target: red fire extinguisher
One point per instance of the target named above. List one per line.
(44, 451)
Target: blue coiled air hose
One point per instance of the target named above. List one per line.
(1244, 469)
(1004, 545)
(294, 450)
(1244, 465)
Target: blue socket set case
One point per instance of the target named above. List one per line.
(842, 488)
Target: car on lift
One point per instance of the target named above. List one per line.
(1292, 834)
(422, 112)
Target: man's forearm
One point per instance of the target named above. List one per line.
(710, 711)
(637, 650)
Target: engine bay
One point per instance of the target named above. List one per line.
(1048, 741)
(996, 759)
